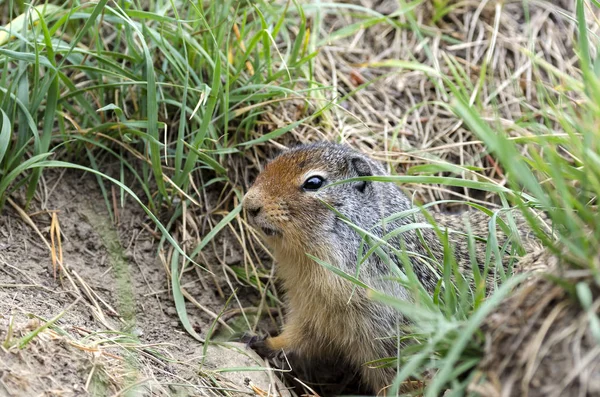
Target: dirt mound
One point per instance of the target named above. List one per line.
(540, 341)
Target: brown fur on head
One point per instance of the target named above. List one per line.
(289, 214)
(276, 203)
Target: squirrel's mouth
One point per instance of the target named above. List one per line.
(269, 231)
(265, 227)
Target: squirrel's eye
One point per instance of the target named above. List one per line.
(313, 183)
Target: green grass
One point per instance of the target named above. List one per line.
(175, 92)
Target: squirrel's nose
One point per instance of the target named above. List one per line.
(252, 203)
(253, 211)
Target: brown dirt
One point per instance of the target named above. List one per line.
(120, 328)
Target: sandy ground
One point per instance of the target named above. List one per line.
(117, 328)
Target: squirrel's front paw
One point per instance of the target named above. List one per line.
(249, 338)
(259, 344)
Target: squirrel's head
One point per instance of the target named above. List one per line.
(286, 201)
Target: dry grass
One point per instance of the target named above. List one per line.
(540, 341)
(399, 115)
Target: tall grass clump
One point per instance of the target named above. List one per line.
(176, 88)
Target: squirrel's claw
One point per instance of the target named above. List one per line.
(249, 339)
(258, 344)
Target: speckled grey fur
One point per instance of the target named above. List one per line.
(380, 200)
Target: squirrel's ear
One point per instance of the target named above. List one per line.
(362, 168)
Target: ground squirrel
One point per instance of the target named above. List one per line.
(326, 315)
